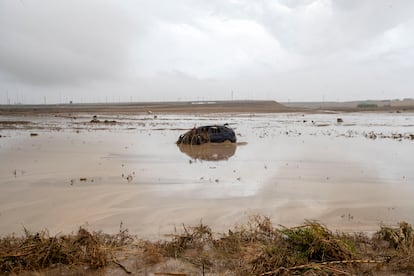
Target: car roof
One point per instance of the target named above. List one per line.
(213, 126)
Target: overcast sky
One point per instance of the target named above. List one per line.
(157, 50)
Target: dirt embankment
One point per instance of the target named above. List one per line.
(406, 105)
(257, 248)
(161, 107)
(206, 107)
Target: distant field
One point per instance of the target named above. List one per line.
(155, 107)
(406, 104)
(198, 107)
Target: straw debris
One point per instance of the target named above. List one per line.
(195, 136)
(255, 248)
(36, 251)
(39, 251)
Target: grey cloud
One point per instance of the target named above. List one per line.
(318, 26)
(324, 27)
(306, 27)
(55, 42)
(163, 50)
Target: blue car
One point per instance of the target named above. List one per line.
(208, 134)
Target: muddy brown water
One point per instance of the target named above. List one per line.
(290, 167)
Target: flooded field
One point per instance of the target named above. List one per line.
(349, 171)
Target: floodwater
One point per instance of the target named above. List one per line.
(351, 175)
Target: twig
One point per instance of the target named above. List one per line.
(324, 264)
(48, 252)
(338, 271)
(170, 274)
(121, 266)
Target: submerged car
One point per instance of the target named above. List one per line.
(208, 134)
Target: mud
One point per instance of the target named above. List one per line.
(288, 166)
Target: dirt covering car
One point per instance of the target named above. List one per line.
(208, 134)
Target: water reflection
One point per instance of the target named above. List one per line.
(209, 151)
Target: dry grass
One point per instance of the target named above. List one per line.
(39, 251)
(257, 248)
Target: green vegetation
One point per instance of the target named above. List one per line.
(367, 105)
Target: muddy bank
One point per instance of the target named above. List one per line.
(254, 248)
